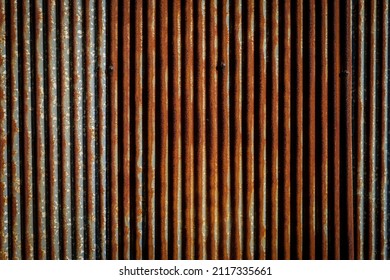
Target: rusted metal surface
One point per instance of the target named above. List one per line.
(221, 129)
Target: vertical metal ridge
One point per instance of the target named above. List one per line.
(126, 130)
(90, 86)
(372, 222)
(347, 65)
(4, 251)
(54, 166)
(275, 132)
(212, 140)
(200, 130)
(139, 64)
(263, 134)
(102, 127)
(360, 135)
(15, 96)
(151, 105)
(188, 132)
(312, 130)
(225, 127)
(249, 131)
(66, 189)
(163, 159)
(384, 180)
(299, 126)
(336, 127)
(324, 128)
(113, 128)
(177, 134)
(238, 144)
(79, 149)
(27, 137)
(287, 131)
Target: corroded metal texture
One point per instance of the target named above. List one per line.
(222, 129)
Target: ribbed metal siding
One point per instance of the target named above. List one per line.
(194, 129)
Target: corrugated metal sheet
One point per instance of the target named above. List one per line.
(196, 129)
